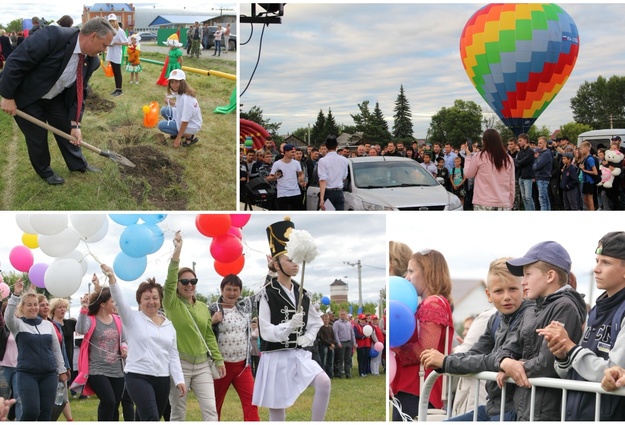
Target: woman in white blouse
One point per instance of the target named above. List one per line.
(152, 352)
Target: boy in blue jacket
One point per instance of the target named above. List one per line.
(569, 183)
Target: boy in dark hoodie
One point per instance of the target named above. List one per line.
(504, 290)
(603, 343)
(545, 269)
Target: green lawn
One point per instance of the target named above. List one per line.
(202, 177)
(356, 399)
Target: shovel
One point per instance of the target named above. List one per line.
(110, 155)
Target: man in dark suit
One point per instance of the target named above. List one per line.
(40, 79)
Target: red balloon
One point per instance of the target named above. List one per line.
(226, 248)
(224, 269)
(240, 220)
(236, 231)
(213, 225)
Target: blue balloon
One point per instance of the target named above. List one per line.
(124, 219)
(401, 322)
(158, 237)
(153, 218)
(400, 289)
(136, 240)
(373, 353)
(325, 300)
(129, 268)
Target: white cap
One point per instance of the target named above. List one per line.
(112, 17)
(177, 74)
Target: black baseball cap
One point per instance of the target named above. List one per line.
(612, 245)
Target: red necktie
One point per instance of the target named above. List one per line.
(79, 85)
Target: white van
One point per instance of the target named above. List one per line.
(603, 137)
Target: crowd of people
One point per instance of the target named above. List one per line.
(539, 326)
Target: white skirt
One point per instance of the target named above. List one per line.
(282, 376)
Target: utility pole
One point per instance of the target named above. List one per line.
(359, 265)
(193, 266)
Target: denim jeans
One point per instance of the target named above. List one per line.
(543, 194)
(37, 393)
(327, 359)
(169, 125)
(9, 388)
(482, 416)
(525, 186)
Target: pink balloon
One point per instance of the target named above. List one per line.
(236, 231)
(239, 220)
(5, 291)
(378, 346)
(226, 248)
(21, 258)
(37, 273)
(392, 366)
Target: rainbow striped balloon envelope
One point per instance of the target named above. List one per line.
(518, 57)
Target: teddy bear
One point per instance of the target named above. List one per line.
(607, 174)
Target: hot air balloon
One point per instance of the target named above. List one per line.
(518, 57)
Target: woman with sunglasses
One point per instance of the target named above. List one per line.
(429, 274)
(100, 367)
(197, 344)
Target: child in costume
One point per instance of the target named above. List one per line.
(173, 60)
(286, 369)
(134, 63)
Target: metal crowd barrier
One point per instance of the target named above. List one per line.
(564, 384)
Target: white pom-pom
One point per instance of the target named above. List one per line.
(301, 247)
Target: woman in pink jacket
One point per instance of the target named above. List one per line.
(493, 171)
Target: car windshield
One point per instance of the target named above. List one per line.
(372, 175)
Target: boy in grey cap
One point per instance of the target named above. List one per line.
(545, 269)
(602, 345)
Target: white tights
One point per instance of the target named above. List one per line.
(322, 386)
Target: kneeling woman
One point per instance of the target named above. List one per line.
(183, 117)
(152, 352)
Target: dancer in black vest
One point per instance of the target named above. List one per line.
(286, 369)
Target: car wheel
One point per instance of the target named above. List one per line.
(232, 45)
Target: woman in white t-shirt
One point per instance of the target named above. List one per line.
(114, 54)
(183, 117)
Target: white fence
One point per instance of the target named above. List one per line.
(564, 384)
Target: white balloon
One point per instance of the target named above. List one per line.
(97, 237)
(87, 224)
(23, 222)
(59, 245)
(367, 330)
(81, 258)
(63, 277)
(48, 224)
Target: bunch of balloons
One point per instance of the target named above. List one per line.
(226, 246)
(403, 303)
(58, 236)
(142, 236)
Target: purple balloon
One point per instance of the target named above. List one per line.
(37, 273)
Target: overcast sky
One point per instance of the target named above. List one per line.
(10, 10)
(339, 237)
(338, 55)
(470, 242)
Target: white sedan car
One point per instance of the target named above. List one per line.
(385, 183)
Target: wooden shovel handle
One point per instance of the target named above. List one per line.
(56, 131)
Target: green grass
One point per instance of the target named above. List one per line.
(356, 399)
(202, 177)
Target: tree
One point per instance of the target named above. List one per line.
(402, 127)
(330, 126)
(600, 104)
(317, 134)
(301, 133)
(15, 25)
(457, 123)
(573, 129)
(256, 115)
(364, 122)
(380, 124)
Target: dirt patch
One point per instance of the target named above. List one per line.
(94, 103)
(156, 178)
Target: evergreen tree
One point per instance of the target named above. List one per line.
(330, 126)
(402, 127)
(380, 125)
(317, 133)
